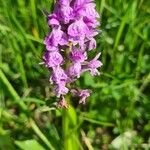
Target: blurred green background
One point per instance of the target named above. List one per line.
(116, 116)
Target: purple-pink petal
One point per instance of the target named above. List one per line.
(52, 59)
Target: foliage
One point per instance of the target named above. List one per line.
(118, 112)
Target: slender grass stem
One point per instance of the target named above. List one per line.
(11, 90)
(40, 134)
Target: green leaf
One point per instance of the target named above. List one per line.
(6, 142)
(29, 144)
(32, 99)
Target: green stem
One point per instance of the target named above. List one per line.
(69, 122)
(65, 127)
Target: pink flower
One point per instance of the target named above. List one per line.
(73, 25)
(52, 59)
(75, 70)
(82, 94)
(91, 44)
(58, 76)
(78, 29)
(77, 55)
(52, 40)
(53, 21)
(60, 90)
(94, 64)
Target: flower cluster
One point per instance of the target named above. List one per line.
(73, 26)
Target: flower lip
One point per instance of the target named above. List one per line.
(78, 28)
(77, 55)
(52, 59)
